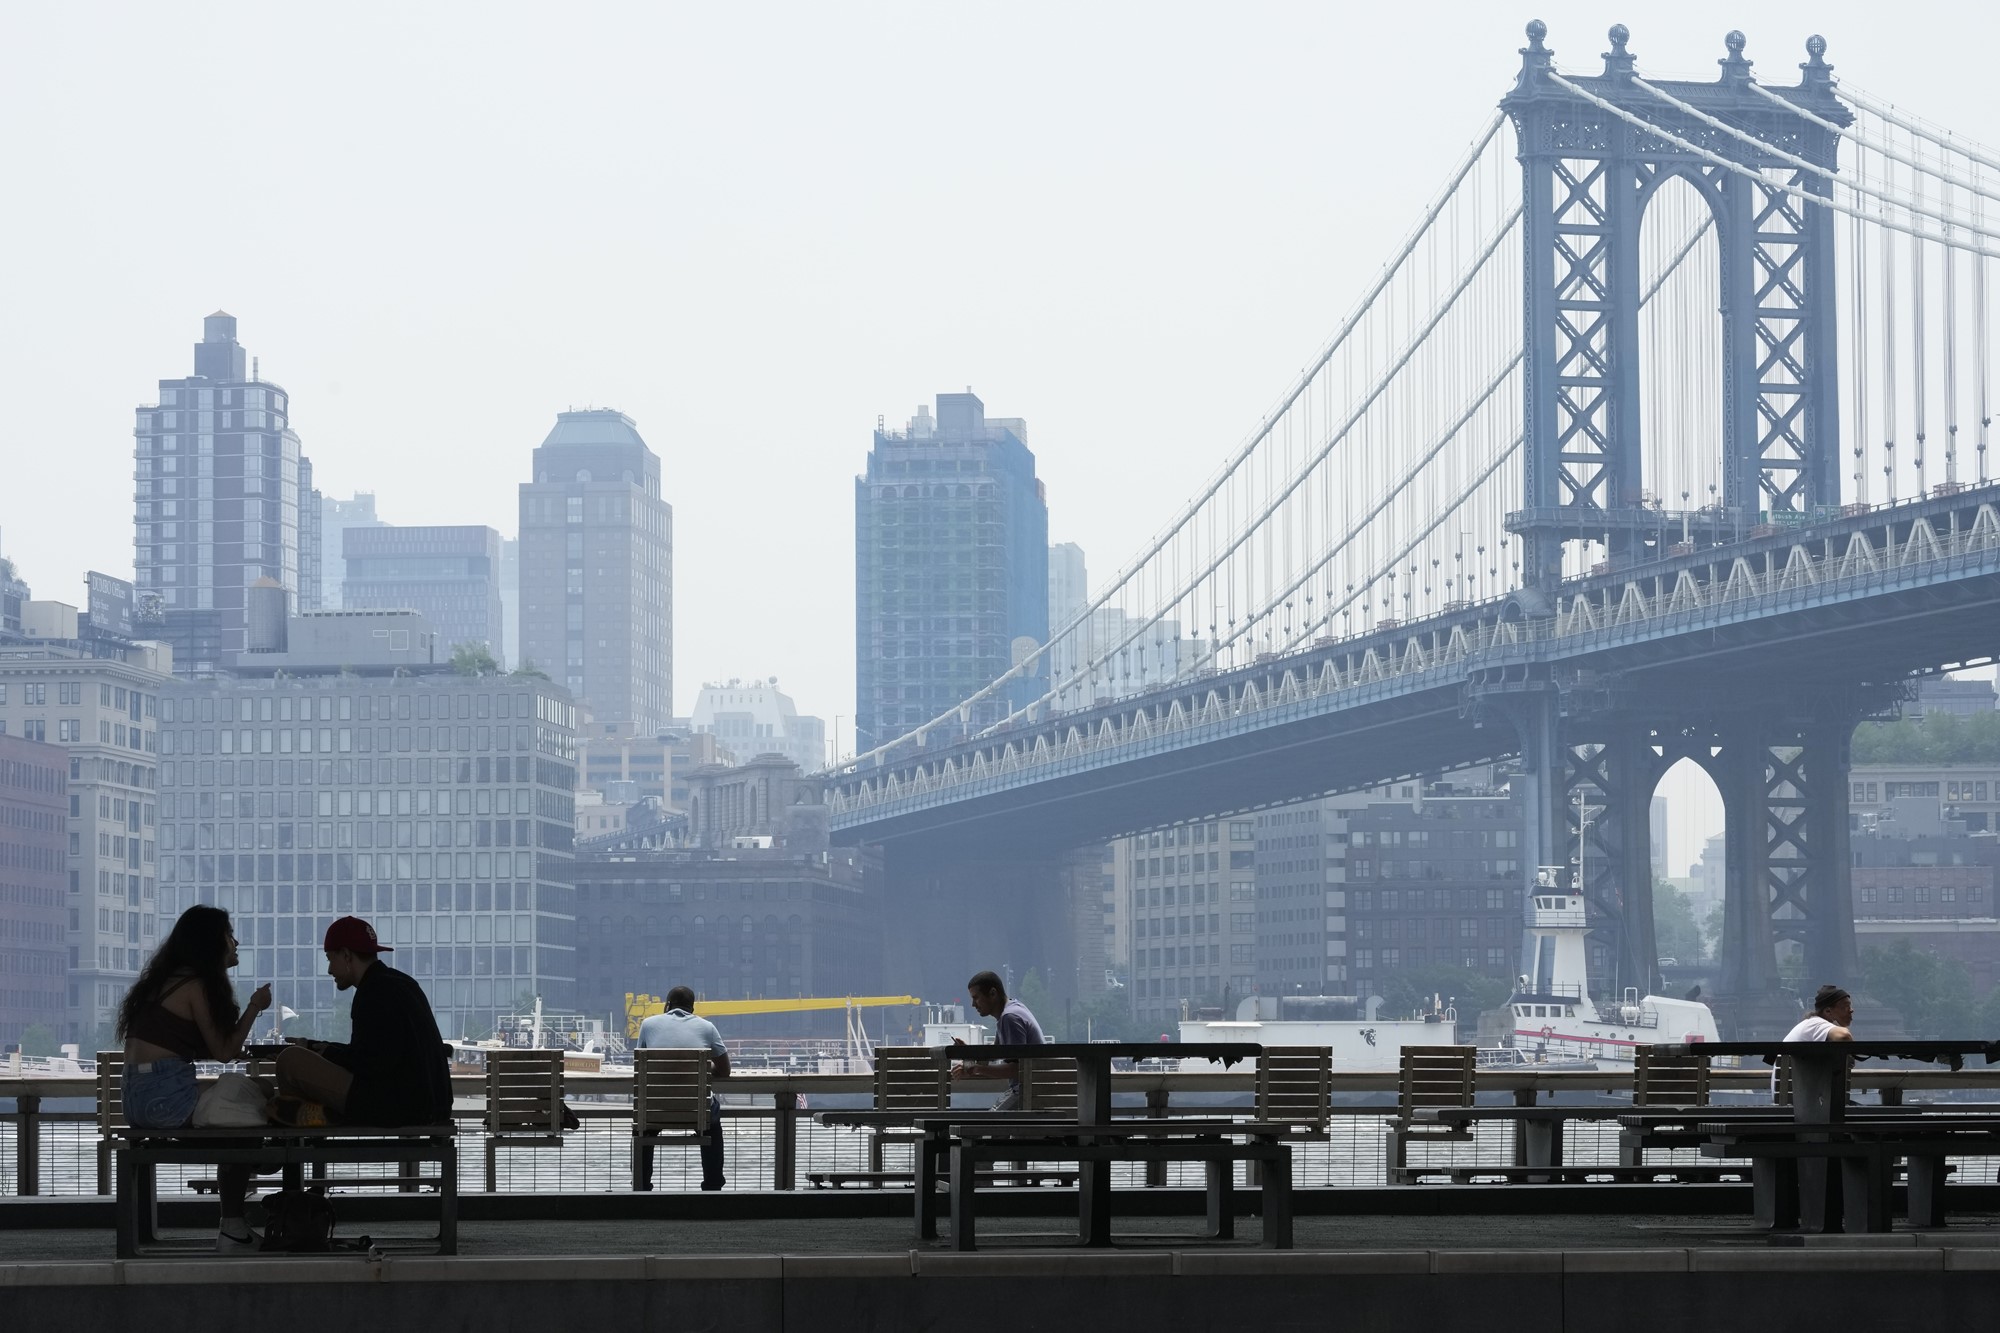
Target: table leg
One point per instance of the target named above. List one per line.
(1864, 1184)
(1277, 1200)
(448, 1200)
(1093, 1092)
(1818, 1097)
(1537, 1140)
(964, 1169)
(126, 1203)
(1221, 1199)
(1774, 1185)
(1093, 1202)
(930, 1151)
(1927, 1179)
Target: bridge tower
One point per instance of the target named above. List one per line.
(1589, 175)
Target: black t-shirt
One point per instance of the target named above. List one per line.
(402, 1074)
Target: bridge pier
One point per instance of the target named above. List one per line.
(951, 911)
(1789, 904)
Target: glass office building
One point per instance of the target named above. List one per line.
(440, 807)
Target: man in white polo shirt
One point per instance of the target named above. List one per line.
(679, 1029)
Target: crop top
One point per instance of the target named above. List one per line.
(168, 1030)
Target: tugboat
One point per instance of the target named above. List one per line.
(1554, 1016)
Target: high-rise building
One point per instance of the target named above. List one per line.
(220, 490)
(34, 893)
(335, 518)
(597, 572)
(753, 718)
(1433, 880)
(510, 602)
(451, 575)
(951, 583)
(1189, 912)
(100, 704)
(1069, 584)
(357, 778)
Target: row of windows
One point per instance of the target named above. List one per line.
(1440, 928)
(1461, 899)
(1418, 868)
(1365, 960)
(1921, 893)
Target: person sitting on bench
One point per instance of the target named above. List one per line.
(680, 1028)
(1017, 1026)
(393, 1070)
(180, 1010)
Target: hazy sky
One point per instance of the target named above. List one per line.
(754, 228)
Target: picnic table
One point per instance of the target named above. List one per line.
(1089, 1137)
(287, 1149)
(1792, 1159)
(1538, 1145)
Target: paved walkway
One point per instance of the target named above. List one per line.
(999, 1234)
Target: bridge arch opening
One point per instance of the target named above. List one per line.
(1687, 846)
(1680, 381)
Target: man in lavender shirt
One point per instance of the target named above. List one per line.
(1017, 1028)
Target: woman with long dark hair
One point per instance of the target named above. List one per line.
(183, 1009)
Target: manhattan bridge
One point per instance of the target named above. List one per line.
(1664, 436)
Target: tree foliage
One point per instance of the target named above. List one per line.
(474, 659)
(39, 1039)
(1934, 995)
(1472, 993)
(1675, 933)
(529, 671)
(1935, 738)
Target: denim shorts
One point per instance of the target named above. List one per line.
(162, 1096)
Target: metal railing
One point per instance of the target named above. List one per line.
(773, 1143)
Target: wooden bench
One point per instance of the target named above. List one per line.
(1218, 1144)
(670, 1104)
(287, 1150)
(1428, 1077)
(524, 1104)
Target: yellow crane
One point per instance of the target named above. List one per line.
(638, 1008)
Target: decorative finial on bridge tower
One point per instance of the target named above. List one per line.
(1735, 69)
(1818, 74)
(1618, 61)
(1535, 58)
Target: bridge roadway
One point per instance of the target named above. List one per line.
(1773, 622)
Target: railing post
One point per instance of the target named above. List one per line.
(785, 1140)
(1156, 1109)
(28, 1147)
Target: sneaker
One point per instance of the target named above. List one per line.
(232, 1247)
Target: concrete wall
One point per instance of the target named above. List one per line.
(1480, 1291)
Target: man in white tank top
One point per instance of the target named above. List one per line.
(1833, 1013)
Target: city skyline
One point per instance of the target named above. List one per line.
(1227, 181)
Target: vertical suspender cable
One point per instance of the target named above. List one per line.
(1858, 356)
(1950, 356)
(1979, 342)
(1919, 381)
(1889, 405)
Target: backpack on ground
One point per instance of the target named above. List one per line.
(298, 1221)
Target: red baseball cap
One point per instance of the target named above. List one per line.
(355, 935)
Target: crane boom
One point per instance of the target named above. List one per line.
(641, 1007)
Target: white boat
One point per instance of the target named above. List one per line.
(1553, 1014)
(1356, 1043)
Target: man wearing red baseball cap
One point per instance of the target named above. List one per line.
(394, 1069)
